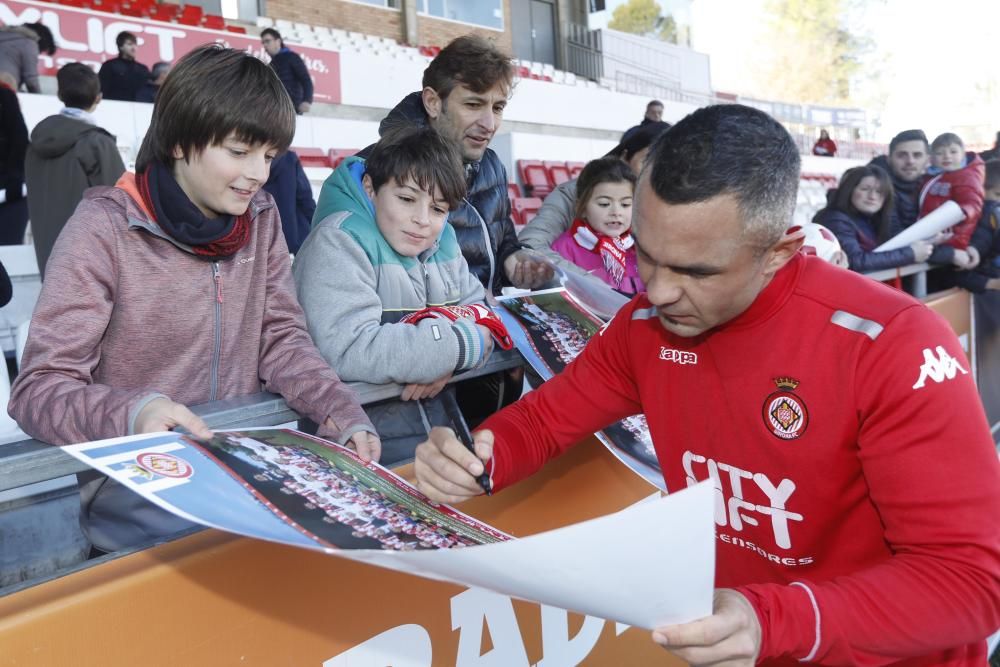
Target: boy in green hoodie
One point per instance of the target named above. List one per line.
(381, 251)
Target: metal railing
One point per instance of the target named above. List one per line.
(583, 52)
(30, 461)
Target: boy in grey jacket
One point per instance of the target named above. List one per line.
(381, 251)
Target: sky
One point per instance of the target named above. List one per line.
(939, 62)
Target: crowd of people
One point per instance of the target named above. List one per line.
(172, 285)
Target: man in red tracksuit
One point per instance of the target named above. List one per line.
(857, 485)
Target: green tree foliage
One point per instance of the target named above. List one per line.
(811, 55)
(644, 17)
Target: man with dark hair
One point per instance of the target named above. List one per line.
(123, 76)
(290, 68)
(822, 464)
(148, 91)
(68, 154)
(465, 92)
(907, 161)
(20, 46)
(654, 114)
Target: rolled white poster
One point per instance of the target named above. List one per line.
(938, 220)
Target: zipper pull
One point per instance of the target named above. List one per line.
(218, 281)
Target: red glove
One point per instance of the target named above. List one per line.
(477, 313)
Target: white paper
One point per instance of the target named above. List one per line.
(649, 565)
(938, 220)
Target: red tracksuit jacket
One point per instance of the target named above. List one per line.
(858, 488)
(964, 187)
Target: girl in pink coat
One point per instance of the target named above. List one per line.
(600, 240)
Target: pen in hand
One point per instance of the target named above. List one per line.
(462, 430)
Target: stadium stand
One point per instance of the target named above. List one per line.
(523, 209)
(535, 178)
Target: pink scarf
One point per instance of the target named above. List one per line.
(613, 251)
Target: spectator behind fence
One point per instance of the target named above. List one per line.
(13, 145)
(600, 239)
(123, 76)
(291, 70)
(558, 210)
(993, 153)
(822, 455)
(860, 216)
(380, 252)
(149, 89)
(654, 114)
(465, 92)
(825, 146)
(174, 288)
(954, 176)
(19, 49)
(906, 163)
(68, 154)
(986, 238)
(293, 196)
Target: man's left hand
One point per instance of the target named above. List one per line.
(730, 636)
(526, 270)
(304, 107)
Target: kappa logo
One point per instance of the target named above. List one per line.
(678, 356)
(940, 368)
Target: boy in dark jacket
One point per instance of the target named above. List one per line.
(293, 196)
(67, 149)
(290, 68)
(986, 238)
(122, 77)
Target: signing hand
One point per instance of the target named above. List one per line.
(730, 636)
(162, 414)
(921, 251)
(446, 471)
(527, 270)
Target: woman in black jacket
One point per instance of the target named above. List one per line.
(859, 213)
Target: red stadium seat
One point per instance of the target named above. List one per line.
(513, 191)
(337, 155)
(188, 20)
(534, 177)
(523, 209)
(213, 22)
(558, 172)
(191, 13)
(312, 157)
(575, 168)
(164, 11)
(237, 29)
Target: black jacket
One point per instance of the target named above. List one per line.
(858, 239)
(121, 79)
(13, 144)
(482, 222)
(293, 196)
(294, 76)
(907, 206)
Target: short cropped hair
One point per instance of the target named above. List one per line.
(640, 139)
(992, 179)
(158, 69)
(421, 154)
(78, 85)
(46, 41)
(472, 61)
(124, 36)
(850, 180)
(654, 103)
(947, 139)
(730, 149)
(908, 135)
(601, 170)
(212, 93)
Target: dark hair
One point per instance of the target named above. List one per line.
(947, 139)
(730, 149)
(273, 33)
(78, 85)
(654, 103)
(46, 42)
(640, 139)
(124, 36)
(472, 61)
(849, 181)
(992, 178)
(908, 135)
(211, 93)
(601, 170)
(158, 69)
(421, 154)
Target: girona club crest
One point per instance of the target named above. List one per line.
(166, 465)
(785, 414)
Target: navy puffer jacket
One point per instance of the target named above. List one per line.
(858, 239)
(482, 223)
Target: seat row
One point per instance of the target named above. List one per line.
(541, 177)
(192, 15)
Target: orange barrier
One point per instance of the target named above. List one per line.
(218, 599)
(955, 305)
